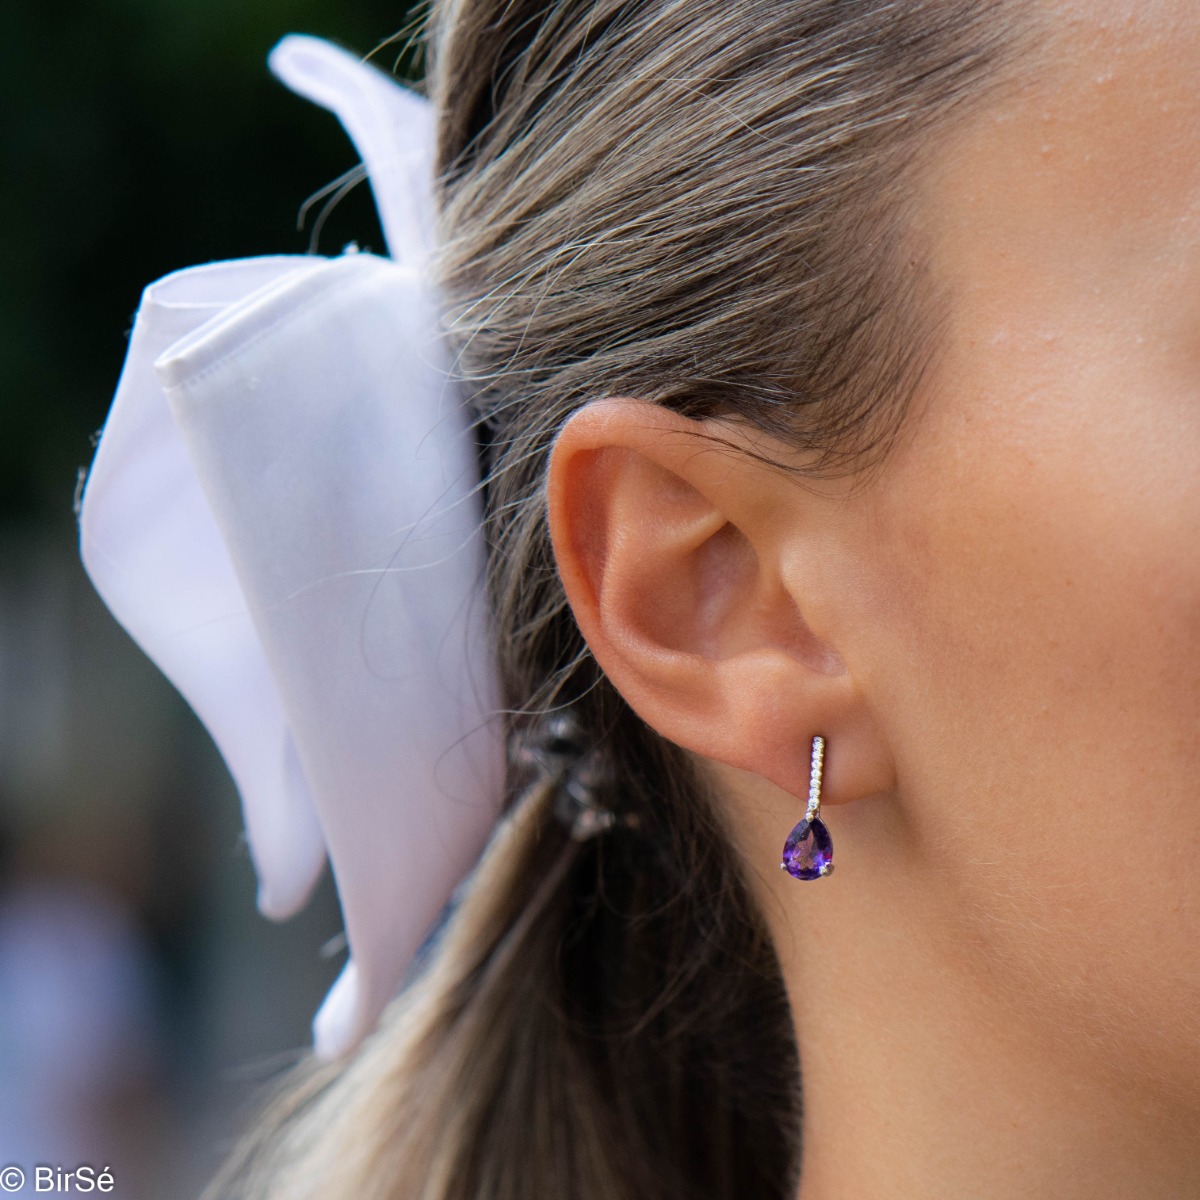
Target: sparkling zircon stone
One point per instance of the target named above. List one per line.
(808, 852)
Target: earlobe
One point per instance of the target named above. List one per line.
(671, 548)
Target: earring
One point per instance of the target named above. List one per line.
(808, 851)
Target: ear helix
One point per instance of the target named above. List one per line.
(808, 851)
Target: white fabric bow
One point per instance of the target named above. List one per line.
(283, 512)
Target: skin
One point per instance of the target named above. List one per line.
(997, 993)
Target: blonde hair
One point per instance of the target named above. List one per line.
(704, 203)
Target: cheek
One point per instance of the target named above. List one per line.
(1041, 659)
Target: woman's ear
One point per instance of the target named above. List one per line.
(678, 549)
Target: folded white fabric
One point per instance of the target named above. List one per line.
(283, 513)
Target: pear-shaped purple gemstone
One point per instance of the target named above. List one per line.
(808, 851)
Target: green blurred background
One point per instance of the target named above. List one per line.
(142, 1000)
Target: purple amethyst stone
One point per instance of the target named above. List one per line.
(808, 851)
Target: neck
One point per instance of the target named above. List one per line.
(933, 1067)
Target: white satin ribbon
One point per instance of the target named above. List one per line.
(282, 512)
